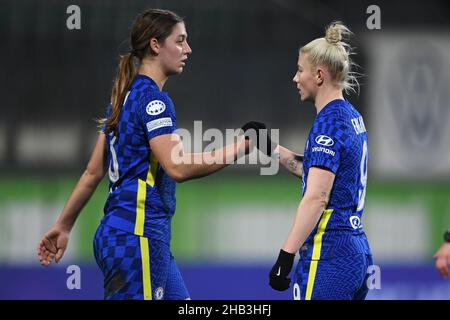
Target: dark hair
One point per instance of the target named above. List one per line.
(152, 23)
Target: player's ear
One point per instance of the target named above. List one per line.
(155, 46)
(320, 76)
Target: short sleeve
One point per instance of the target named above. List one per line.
(327, 145)
(157, 114)
(108, 113)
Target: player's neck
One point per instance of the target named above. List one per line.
(152, 70)
(326, 96)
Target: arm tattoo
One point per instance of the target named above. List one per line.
(292, 163)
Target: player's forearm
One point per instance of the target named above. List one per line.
(83, 191)
(307, 216)
(196, 165)
(290, 160)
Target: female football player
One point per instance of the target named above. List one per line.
(144, 158)
(327, 230)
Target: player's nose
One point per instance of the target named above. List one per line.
(187, 48)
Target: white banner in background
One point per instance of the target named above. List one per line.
(408, 79)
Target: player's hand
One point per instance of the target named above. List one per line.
(258, 130)
(53, 245)
(251, 134)
(442, 258)
(245, 146)
(255, 125)
(278, 277)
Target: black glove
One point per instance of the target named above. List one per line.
(262, 139)
(279, 274)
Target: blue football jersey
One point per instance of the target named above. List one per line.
(338, 142)
(141, 195)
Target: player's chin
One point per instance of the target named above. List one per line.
(303, 97)
(175, 71)
(179, 70)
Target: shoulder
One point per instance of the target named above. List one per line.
(153, 103)
(332, 127)
(331, 122)
(145, 90)
(342, 117)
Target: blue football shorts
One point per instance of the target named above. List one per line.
(137, 268)
(339, 278)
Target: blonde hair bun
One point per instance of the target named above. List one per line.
(333, 33)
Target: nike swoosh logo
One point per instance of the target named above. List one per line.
(279, 271)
